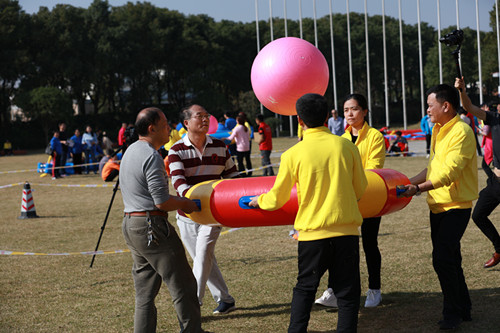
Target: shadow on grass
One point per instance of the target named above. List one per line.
(419, 312)
(263, 310)
(255, 260)
(399, 312)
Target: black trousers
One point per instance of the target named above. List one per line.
(240, 155)
(428, 138)
(447, 229)
(340, 256)
(489, 199)
(77, 160)
(369, 232)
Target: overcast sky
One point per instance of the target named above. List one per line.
(244, 10)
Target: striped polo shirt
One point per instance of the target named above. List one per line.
(188, 166)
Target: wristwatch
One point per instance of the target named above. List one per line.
(418, 191)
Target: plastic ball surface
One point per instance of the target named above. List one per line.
(286, 69)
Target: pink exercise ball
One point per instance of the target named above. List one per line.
(286, 69)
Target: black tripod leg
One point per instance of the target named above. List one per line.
(122, 147)
(105, 220)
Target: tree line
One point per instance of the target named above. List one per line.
(120, 59)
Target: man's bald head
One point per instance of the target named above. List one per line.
(145, 118)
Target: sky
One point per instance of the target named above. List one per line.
(244, 10)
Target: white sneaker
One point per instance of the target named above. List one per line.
(328, 299)
(373, 298)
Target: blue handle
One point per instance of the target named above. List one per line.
(400, 189)
(244, 201)
(198, 203)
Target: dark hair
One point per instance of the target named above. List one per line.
(241, 120)
(147, 116)
(243, 115)
(221, 120)
(185, 114)
(260, 117)
(358, 98)
(109, 151)
(445, 93)
(399, 133)
(312, 109)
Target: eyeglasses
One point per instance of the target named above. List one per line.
(201, 116)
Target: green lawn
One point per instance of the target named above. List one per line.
(46, 293)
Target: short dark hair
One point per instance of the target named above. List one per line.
(185, 114)
(260, 117)
(147, 116)
(399, 133)
(312, 109)
(445, 93)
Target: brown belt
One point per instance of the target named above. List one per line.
(152, 213)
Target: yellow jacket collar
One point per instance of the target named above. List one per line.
(362, 132)
(318, 129)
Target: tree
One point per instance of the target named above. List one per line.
(13, 54)
(49, 105)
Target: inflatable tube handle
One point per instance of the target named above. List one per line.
(198, 203)
(244, 201)
(400, 189)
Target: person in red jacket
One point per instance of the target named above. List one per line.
(265, 144)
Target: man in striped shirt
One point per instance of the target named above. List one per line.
(194, 159)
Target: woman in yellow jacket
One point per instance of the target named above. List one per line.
(371, 146)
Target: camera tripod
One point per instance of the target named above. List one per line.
(115, 189)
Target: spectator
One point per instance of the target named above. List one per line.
(336, 123)
(265, 144)
(111, 169)
(7, 148)
(426, 127)
(89, 143)
(240, 135)
(76, 151)
(121, 134)
(63, 138)
(399, 145)
(106, 142)
(230, 123)
(57, 152)
(105, 159)
(221, 127)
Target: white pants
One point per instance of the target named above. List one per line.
(199, 241)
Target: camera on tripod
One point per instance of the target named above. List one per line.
(455, 37)
(131, 136)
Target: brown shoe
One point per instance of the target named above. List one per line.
(493, 261)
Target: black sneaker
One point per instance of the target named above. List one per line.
(224, 308)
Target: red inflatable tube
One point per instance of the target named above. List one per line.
(224, 202)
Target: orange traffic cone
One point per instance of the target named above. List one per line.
(27, 205)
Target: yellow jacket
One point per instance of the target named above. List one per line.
(371, 145)
(452, 167)
(174, 137)
(330, 179)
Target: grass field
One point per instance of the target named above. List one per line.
(60, 293)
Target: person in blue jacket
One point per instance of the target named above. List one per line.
(76, 150)
(426, 127)
(55, 145)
